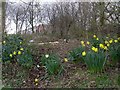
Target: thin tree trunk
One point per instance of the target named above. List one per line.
(3, 17)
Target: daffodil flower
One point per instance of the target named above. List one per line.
(10, 55)
(38, 66)
(88, 42)
(111, 41)
(20, 42)
(101, 45)
(93, 48)
(83, 53)
(83, 45)
(65, 59)
(19, 52)
(97, 38)
(82, 42)
(14, 53)
(36, 80)
(105, 48)
(108, 44)
(36, 84)
(4, 42)
(96, 50)
(94, 36)
(46, 55)
(115, 41)
(21, 49)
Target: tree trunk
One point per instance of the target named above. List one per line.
(3, 17)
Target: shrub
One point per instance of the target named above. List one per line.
(52, 64)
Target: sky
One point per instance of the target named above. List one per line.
(11, 28)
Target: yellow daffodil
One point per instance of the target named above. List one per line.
(83, 53)
(115, 41)
(14, 53)
(94, 36)
(101, 45)
(21, 49)
(19, 52)
(10, 55)
(82, 42)
(20, 42)
(46, 55)
(108, 44)
(4, 42)
(36, 84)
(105, 48)
(97, 38)
(111, 41)
(36, 80)
(93, 48)
(65, 59)
(96, 50)
(83, 45)
(88, 42)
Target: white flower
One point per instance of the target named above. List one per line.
(38, 66)
(46, 55)
(31, 41)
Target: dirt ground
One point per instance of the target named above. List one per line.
(74, 75)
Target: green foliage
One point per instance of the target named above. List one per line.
(15, 50)
(118, 80)
(52, 64)
(75, 54)
(94, 42)
(95, 61)
(114, 52)
(25, 59)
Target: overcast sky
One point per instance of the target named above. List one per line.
(12, 26)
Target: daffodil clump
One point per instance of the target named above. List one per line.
(13, 50)
(96, 51)
(76, 55)
(114, 50)
(95, 41)
(52, 64)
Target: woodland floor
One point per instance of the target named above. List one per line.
(73, 76)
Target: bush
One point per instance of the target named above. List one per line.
(15, 50)
(52, 64)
